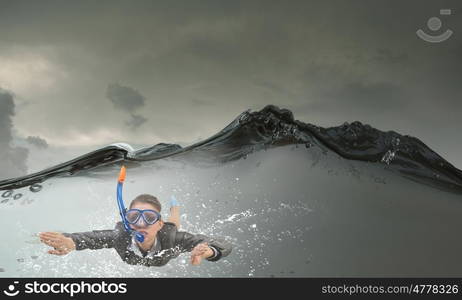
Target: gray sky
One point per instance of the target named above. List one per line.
(89, 73)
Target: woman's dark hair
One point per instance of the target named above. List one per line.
(149, 199)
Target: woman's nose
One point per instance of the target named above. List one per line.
(141, 222)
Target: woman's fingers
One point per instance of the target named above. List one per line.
(52, 240)
(56, 240)
(197, 252)
(195, 260)
(56, 252)
(47, 238)
(52, 243)
(201, 246)
(201, 249)
(50, 235)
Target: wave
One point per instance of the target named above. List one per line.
(269, 128)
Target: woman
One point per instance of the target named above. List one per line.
(161, 240)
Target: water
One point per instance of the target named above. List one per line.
(290, 211)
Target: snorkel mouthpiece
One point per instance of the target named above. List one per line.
(139, 237)
(122, 174)
(120, 202)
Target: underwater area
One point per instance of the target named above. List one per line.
(294, 199)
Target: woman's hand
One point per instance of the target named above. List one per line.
(62, 245)
(199, 252)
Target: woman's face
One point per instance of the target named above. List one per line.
(148, 231)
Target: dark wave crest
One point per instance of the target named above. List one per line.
(274, 127)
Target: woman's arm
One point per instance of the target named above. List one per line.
(96, 239)
(63, 243)
(202, 246)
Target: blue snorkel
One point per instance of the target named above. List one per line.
(122, 210)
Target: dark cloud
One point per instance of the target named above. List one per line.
(127, 99)
(37, 141)
(124, 98)
(12, 159)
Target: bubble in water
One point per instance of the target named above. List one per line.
(37, 268)
(7, 194)
(35, 188)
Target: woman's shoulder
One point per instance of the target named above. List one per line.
(169, 226)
